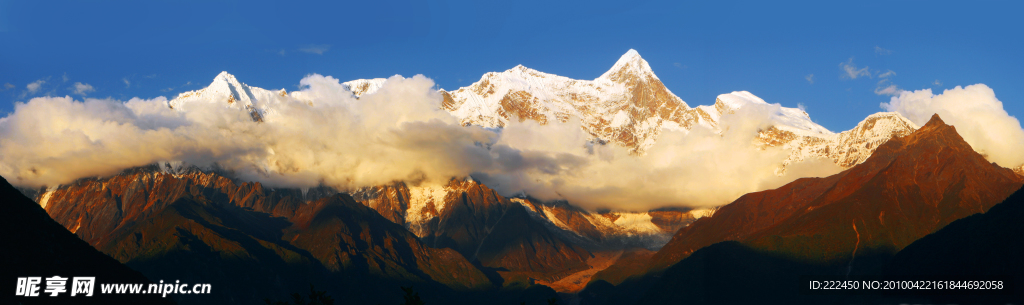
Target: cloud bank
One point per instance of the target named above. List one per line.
(323, 135)
(977, 115)
(699, 168)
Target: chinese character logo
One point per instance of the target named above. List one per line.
(83, 285)
(28, 286)
(55, 285)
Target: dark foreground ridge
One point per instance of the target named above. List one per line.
(985, 245)
(36, 246)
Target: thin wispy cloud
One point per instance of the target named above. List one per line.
(82, 89)
(7, 86)
(810, 78)
(34, 87)
(885, 85)
(882, 51)
(318, 49)
(887, 88)
(65, 77)
(851, 71)
(169, 89)
(937, 83)
(127, 83)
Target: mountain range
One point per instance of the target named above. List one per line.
(629, 105)
(464, 241)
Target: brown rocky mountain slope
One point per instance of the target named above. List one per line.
(203, 227)
(910, 187)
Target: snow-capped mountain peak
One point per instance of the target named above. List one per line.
(629, 66)
(789, 119)
(227, 91)
(737, 99)
(628, 104)
(847, 148)
(362, 87)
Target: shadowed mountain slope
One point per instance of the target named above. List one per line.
(36, 246)
(985, 245)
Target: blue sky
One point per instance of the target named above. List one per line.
(124, 49)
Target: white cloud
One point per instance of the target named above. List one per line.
(318, 49)
(882, 51)
(82, 89)
(937, 83)
(885, 88)
(7, 86)
(851, 71)
(33, 87)
(169, 89)
(321, 134)
(127, 83)
(977, 115)
(698, 168)
(885, 85)
(810, 78)
(326, 136)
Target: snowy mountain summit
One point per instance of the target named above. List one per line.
(630, 106)
(228, 91)
(627, 105)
